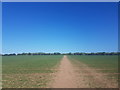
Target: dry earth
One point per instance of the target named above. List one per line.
(70, 75)
(66, 76)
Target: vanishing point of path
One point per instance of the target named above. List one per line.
(86, 77)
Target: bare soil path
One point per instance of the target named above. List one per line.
(66, 77)
(69, 75)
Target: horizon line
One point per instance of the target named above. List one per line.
(64, 52)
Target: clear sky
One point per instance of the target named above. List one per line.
(0, 27)
(60, 27)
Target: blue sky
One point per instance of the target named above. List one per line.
(1, 27)
(60, 27)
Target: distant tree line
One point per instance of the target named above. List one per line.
(57, 53)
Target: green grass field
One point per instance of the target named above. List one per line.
(28, 71)
(36, 71)
(104, 64)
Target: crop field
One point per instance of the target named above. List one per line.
(28, 71)
(70, 71)
(100, 62)
(107, 65)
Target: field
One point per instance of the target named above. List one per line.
(71, 71)
(28, 71)
(104, 65)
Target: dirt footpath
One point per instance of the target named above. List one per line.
(66, 77)
(70, 75)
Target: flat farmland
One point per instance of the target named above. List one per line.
(98, 70)
(28, 71)
(60, 71)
